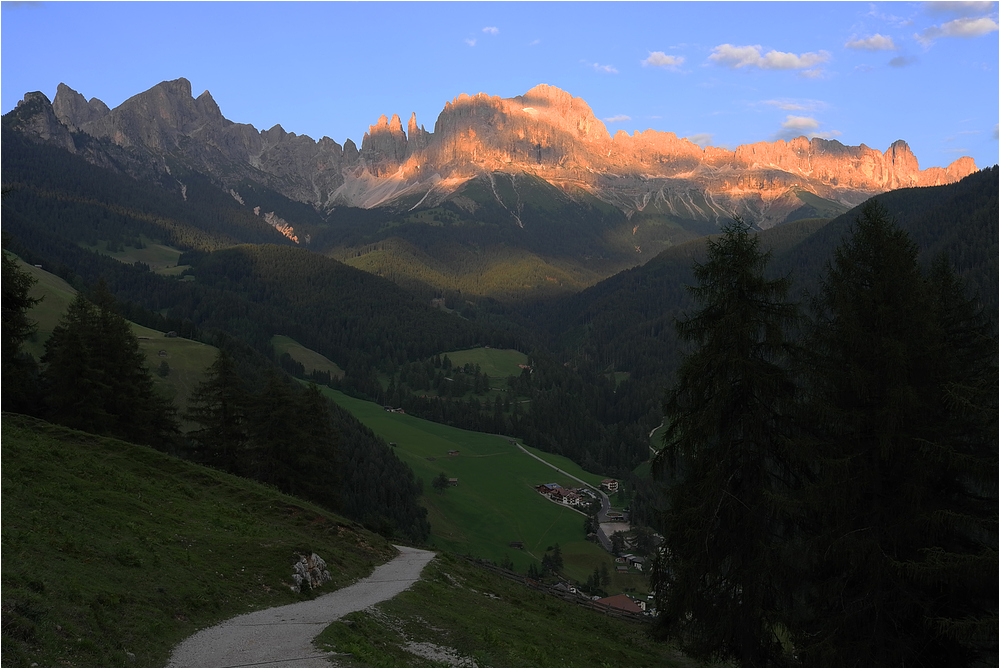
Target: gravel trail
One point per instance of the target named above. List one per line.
(283, 636)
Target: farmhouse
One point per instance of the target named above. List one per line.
(610, 485)
(622, 602)
(635, 561)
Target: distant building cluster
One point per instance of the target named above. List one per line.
(568, 496)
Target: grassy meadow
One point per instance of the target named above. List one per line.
(461, 612)
(495, 363)
(160, 258)
(186, 359)
(310, 359)
(494, 502)
(113, 553)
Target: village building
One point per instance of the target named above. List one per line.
(621, 602)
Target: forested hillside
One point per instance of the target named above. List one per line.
(601, 358)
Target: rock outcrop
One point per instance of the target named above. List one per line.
(545, 132)
(309, 572)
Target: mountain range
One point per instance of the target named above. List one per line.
(505, 144)
(513, 199)
(545, 132)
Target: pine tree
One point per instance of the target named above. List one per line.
(318, 456)
(19, 371)
(219, 405)
(96, 378)
(277, 436)
(720, 583)
(903, 401)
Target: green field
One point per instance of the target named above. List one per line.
(160, 258)
(187, 359)
(493, 362)
(482, 617)
(310, 359)
(494, 502)
(113, 553)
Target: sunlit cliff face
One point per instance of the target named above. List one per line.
(546, 132)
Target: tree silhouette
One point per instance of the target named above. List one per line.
(720, 585)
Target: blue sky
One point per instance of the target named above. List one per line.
(719, 73)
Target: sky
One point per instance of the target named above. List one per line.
(718, 73)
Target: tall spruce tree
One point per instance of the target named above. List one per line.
(95, 377)
(19, 370)
(721, 580)
(219, 404)
(903, 406)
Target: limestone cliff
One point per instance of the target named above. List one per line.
(545, 132)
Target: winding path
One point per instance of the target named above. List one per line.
(283, 636)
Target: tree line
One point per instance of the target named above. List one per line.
(830, 473)
(93, 377)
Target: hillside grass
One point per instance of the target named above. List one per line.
(310, 359)
(187, 359)
(460, 610)
(494, 502)
(498, 271)
(160, 258)
(114, 553)
(495, 363)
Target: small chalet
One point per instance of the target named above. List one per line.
(452, 452)
(453, 482)
(635, 561)
(622, 602)
(610, 485)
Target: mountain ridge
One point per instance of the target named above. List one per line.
(545, 132)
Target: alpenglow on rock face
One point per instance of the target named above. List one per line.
(546, 132)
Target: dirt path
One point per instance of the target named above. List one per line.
(283, 636)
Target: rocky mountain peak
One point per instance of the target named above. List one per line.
(74, 110)
(545, 132)
(34, 116)
(384, 145)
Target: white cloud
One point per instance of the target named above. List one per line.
(702, 139)
(736, 57)
(797, 126)
(815, 73)
(965, 27)
(660, 59)
(996, 131)
(959, 8)
(471, 41)
(534, 42)
(876, 42)
(791, 104)
(617, 119)
(798, 123)
(902, 61)
(610, 69)
(492, 30)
